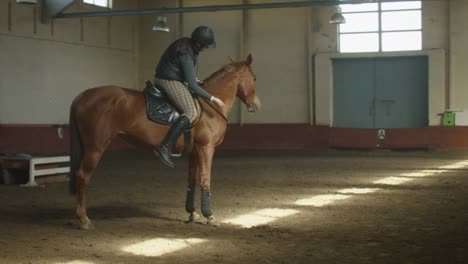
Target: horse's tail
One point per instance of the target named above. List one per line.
(76, 149)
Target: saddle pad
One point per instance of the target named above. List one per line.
(160, 110)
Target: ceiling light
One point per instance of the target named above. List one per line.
(337, 17)
(161, 24)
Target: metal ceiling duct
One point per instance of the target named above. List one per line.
(50, 8)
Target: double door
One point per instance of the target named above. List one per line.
(381, 92)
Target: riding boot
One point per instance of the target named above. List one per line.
(164, 150)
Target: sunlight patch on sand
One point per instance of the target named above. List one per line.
(76, 262)
(358, 190)
(423, 173)
(260, 217)
(321, 200)
(393, 180)
(457, 165)
(160, 246)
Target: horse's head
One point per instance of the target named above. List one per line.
(247, 86)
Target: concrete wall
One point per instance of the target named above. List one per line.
(276, 38)
(61, 59)
(152, 44)
(228, 29)
(458, 54)
(44, 66)
(227, 26)
(282, 42)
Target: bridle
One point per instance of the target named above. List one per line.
(216, 109)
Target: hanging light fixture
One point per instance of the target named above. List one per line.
(161, 24)
(337, 17)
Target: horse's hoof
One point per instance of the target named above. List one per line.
(211, 220)
(195, 218)
(87, 226)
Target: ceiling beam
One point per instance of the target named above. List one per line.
(214, 8)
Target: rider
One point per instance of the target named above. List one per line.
(175, 73)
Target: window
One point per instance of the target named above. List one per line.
(103, 3)
(375, 27)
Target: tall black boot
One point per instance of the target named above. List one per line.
(164, 150)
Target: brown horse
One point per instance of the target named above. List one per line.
(99, 114)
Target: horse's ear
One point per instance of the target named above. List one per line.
(229, 57)
(248, 61)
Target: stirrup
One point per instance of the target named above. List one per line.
(169, 162)
(175, 155)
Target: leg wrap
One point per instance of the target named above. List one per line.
(190, 201)
(206, 203)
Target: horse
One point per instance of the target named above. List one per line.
(100, 114)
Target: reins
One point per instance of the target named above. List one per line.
(216, 109)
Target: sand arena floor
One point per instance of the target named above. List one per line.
(275, 207)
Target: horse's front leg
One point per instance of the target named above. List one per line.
(193, 178)
(204, 156)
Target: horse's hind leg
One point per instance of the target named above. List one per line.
(83, 175)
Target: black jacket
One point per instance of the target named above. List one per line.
(178, 63)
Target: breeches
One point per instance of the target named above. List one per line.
(180, 96)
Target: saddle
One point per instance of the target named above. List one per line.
(160, 109)
(158, 106)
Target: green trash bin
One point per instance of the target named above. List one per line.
(448, 119)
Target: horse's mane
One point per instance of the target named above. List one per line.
(224, 72)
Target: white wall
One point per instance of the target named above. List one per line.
(57, 62)
(458, 54)
(281, 41)
(227, 26)
(277, 40)
(152, 44)
(42, 70)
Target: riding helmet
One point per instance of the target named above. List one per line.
(203, 36)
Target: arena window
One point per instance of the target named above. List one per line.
(381, 27)
(102, 3)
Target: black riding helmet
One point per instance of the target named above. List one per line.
(203, 36)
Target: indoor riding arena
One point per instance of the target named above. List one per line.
(320, 131)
